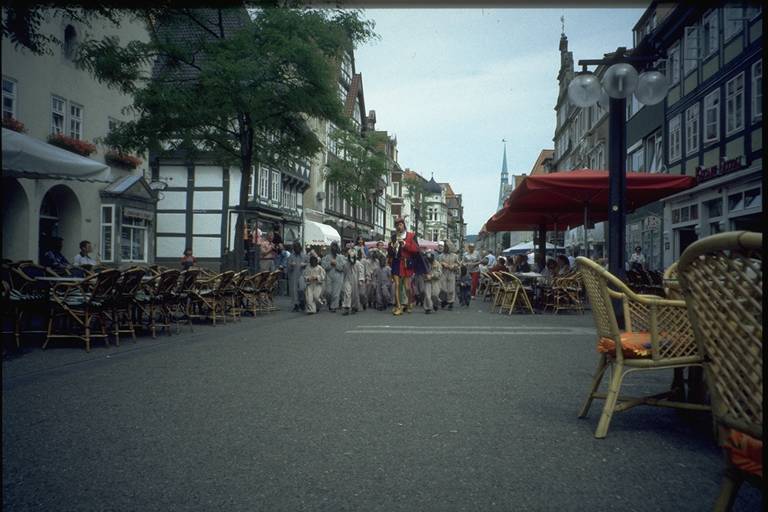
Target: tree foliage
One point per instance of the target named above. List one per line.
(358, 167)
(414, 191)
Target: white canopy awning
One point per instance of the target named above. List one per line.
(26, 156)
(524, 247)
(316, 233)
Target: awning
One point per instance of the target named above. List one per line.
(27, 157)
(316, 233)
(526, 247)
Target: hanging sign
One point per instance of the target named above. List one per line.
(725, 167)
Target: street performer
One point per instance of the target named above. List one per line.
(403, 247)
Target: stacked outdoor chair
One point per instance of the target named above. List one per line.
(123, 303)
(657, 335)
(180, 301)
(251, 291)
(565, 294)
(513, 293)
(236, 295)
(483, 286)
(721, 278)
(81, 303)
(267, 292)
(209, 297)
(156, 300)
(27, 298)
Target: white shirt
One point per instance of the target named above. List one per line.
(81, 260)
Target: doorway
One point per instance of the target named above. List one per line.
(686, 236)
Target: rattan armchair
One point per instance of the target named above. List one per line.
(251, 291)
(657, 336)
(82, 302)
(721, 278)
(209, 297)
(156, 301)
(565, 293)
(513, 293)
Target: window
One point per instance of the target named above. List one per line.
(673, 64)
(709, 33)
(736, 201)
(263, 183)
(57, 114)
(752, 198)
(733, 21)
(757, 91)
(691, 49)
(346, 68)
(674, 139)
(714, 207)
(107, 230)
(9, 98)
(734, 104)
(286, 197)
(712, 116)
(275, 186)
(70, 41)
(75, 121)
(133, 237)
(635, 156)
(396, 189)
(653, 153)
(692, 129)
(633, 106)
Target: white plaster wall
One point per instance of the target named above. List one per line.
(207, 200)
(172, 201)
(174, 175)
(170, 247)
(208, 176)
(206, 223)
(235, 177)
(206, 247)
(171, 223)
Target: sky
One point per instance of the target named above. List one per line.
(452, 83)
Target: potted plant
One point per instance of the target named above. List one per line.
(116, 158)
(14, 124)
(78, 146)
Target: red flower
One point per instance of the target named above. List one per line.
(78, 146)
(114, 157)
(14, 124)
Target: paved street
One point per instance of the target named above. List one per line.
(461, 410)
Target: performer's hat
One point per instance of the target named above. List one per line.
(399, 220)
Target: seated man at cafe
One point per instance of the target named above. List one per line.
(53, 259)
(83, 258)
(522, 264)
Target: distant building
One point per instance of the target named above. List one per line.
(53, 192)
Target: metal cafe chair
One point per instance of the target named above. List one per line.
(657, 336)
(721, 279)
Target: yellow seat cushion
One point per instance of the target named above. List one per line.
(745, 452)
(635, 345)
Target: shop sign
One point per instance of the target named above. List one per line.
(725, 167)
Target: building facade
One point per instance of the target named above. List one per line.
(102, 198)
(713, 121)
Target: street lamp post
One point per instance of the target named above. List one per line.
(619, 82)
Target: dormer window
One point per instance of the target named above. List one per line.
(70, 41)
(346, 68)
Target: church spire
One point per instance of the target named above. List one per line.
(504, 186)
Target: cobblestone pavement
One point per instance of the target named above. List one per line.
(461, 410)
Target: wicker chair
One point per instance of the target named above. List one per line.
(156, 301)
(671, 284)
(24, 298)
(657, 336)
(514, 294)
(83, 302)
(251, 292)
(180, 301)
(123, 303)
(236, 295)
(209, 297)
(565, 294)
(721, 278)
(268, 289)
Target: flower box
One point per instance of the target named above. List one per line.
(14, 124)
(78, 146)
(117, 159)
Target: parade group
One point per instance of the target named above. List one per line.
(398, 274)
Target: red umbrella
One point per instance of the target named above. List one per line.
(567, 198)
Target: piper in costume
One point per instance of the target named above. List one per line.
(450, 264)
(432, 285)
(353, 273)
(297, 262)
(402, 248)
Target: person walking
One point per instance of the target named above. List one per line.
(450, 270)
(402, 247)
(471, 260)
(432, 281)
(295, 266)
(382, 279)
(314, 277)
(370, 263)
(353, 273)
(465, 287)
(334, 263)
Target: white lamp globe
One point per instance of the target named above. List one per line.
(584, 90)
(605, 101)
(620, 80)
(652, 87)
